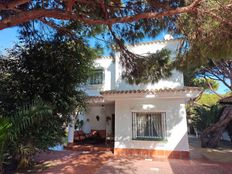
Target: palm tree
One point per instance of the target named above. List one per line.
(13, 127)
(4, 129)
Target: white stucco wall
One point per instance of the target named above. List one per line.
(102, 111)
(174, 81)
(113, 70)
(174, 107)
(176, 123)
(109, 110)
(92, 112)
(108, 66)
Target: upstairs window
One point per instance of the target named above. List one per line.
(148, 126)
(96, 77)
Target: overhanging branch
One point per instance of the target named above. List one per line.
(34, 14)
(12, 4)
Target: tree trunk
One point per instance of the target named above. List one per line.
(211, 135)
(229, 129)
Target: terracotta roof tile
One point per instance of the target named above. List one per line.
(95, 97)
(151, 91)
(105, 57)
(153, 42)
(226, 100)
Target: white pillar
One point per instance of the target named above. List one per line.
(71, 131)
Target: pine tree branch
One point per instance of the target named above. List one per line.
(211, 88)
(217, 77)
(58, 28)
(12, 5)
(217, 17)
(59, 14)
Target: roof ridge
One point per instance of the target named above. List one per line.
(226, 99)
(152, 42)
(105, 57)
(143, 43)
(150, 90)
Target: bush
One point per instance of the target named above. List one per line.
(33, 127)
(203, 116)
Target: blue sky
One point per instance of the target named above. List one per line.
(222, 89)
(9, 36)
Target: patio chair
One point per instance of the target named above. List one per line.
(79, 136)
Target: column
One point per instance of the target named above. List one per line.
(71, 130)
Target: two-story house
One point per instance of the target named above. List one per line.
(147, 119)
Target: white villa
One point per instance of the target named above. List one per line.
(147, 120)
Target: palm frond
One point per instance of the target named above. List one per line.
(28, 116)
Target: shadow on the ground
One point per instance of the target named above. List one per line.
(223, 153)
(68, 162)
(76, 162)
(165, 166)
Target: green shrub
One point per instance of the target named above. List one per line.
(203, 116)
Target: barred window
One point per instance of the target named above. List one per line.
(96, 77)
(149, 126)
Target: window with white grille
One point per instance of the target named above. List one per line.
(149, 126)
(96, 77)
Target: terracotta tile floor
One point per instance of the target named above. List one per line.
(124, 166)
(69, 162)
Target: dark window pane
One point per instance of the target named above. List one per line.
(148, 125)
(96, 77)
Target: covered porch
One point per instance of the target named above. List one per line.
(96, 127)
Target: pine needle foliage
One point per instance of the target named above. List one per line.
(149, 69)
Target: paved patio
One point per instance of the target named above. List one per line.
(221, 154)
(70, 162)
(74, 162)
(105, 163)
(126, 166)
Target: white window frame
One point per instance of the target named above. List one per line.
(136, 124)
(91, 76)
